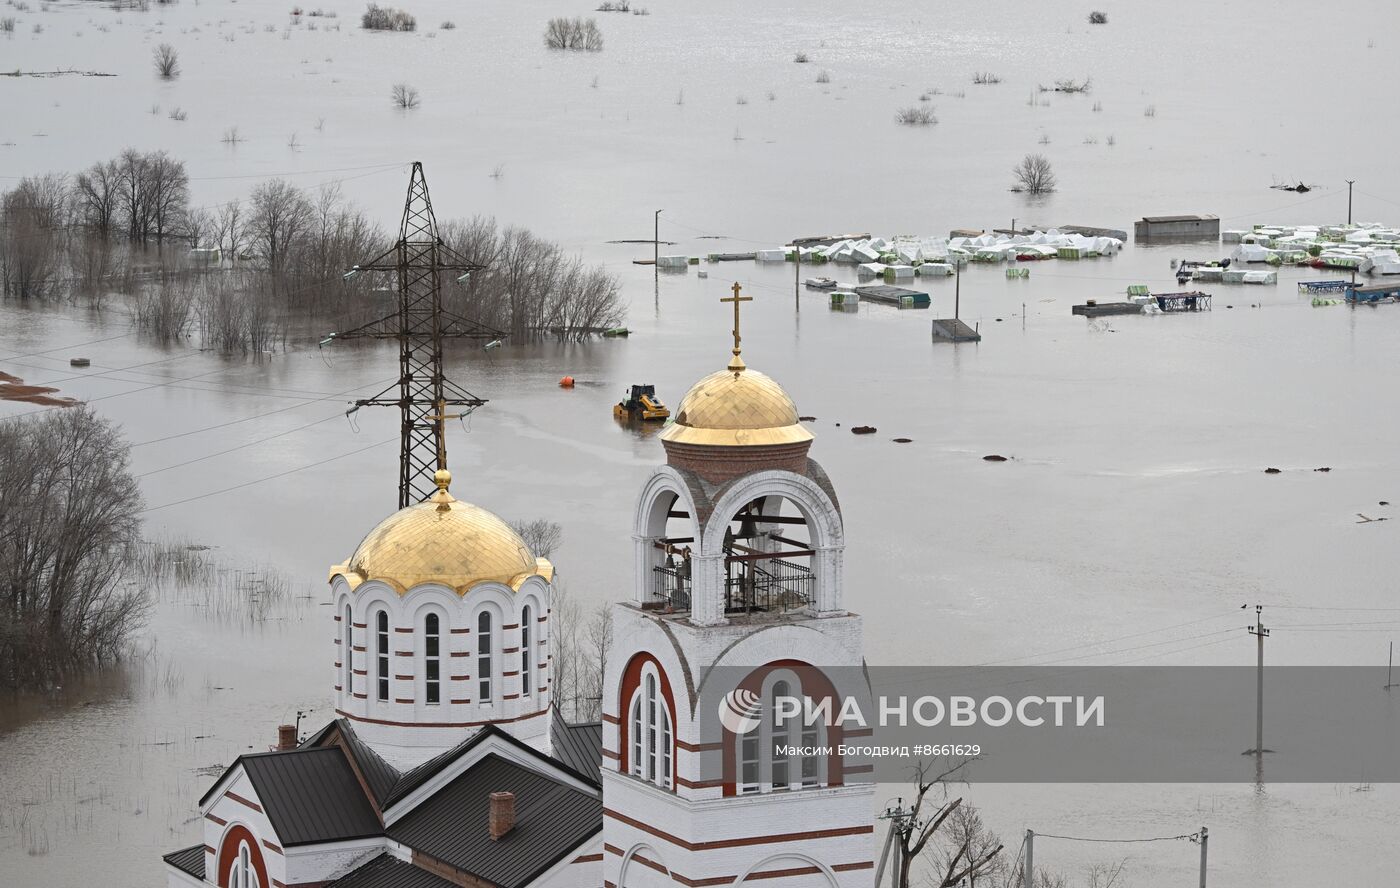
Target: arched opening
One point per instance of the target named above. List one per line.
(647, 728)
(381, 656)
(432, 659)
(240, 863)
(485, 656)
(527, 619)
(768, 554)
(789, 747)
(675, 542)
(347, 653)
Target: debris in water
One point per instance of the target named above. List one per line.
(809, 419)
(1366, 520)
(79, 362)
(1323, 469)
(994, 457)
(1272, 471)
(863, 430)
(1383, 503)
(903, 440)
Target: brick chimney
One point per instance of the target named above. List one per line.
(286, 737)
(502, 814)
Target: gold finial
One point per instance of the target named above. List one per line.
(443, 479)
(736, 364)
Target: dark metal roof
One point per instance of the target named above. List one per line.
(1184, 218)
(311, 795)
(190, 860)
(579, 747)
(551, 821)
(388, 872)
(379, 774)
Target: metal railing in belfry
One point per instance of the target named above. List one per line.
(777, 586)
(673, 587)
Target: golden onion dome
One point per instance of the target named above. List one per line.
(442, 540)
(736, 407)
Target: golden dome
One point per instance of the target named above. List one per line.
(736, 407)
(442, 540)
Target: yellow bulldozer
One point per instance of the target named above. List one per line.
(641, 403)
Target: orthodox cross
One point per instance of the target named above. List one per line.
(737, 364)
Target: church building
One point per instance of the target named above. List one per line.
(448, 763)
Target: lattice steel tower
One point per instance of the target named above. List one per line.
(419, 260)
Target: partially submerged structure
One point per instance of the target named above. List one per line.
(1177, 228)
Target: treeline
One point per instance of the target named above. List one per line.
(69, 524)
(241, 274)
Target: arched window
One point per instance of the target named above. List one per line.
(780, 739)
(770, 757)
(525, 653)
(432, 659)
(243, 874)
(483, 656)
(650, 723)
(347, 652)
(381, 655)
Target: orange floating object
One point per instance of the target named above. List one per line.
(566, 382)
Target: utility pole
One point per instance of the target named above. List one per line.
(1350, 182)
(1258, 631)
(418, 260)
(796, 275)
(1389, 665)
(957, 289)
(656, 238)
(1205, 841)
(1028, 874)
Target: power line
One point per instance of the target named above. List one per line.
(239, 447)
(213, 493)
(66, 347)
(1192, 836)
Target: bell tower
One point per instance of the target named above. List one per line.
(738, 543)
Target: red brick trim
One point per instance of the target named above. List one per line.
(360, 696)
(242, 801)
(357, 648)
(217, 821)
(514, 650)
(587, 858)
(510, 697)
(459, 631)
(403, 628)
(275, 849)
(404, 677)
(460, 654)
(398, 700)
(460, 677)
(210, 849)
(359, 625)
(609, 754)
(228, 853)
(511, 626)
(611, 719)
(699, 747)
(403, 653)
(697, 784)
(461, 701)
(471, 724)
(359, 672)
(739, 842)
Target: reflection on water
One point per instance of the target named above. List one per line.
(1134, 498)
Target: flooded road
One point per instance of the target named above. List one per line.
(1134, 499)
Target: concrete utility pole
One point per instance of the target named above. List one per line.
(957, 289)
(1350, 182)
(1389, 665)
(1028, 874)
(656, 238)
(796, 275)
(1258, 631)
(1205, 841)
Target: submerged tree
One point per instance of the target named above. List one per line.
(69, 522)
(167, 61)
(1034, 175)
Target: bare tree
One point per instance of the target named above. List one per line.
(169, 193)
(923, 824)
(540, 535)
(229, 228)
(580, 649)
(1034, 175)
(95, 196)
(69, 521)
(404, 96)
(32, 221)
(573, 33)
(167, 61)
(279, 215)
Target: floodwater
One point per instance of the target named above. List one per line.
(1134, 501)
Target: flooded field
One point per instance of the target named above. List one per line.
(1134, 501)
